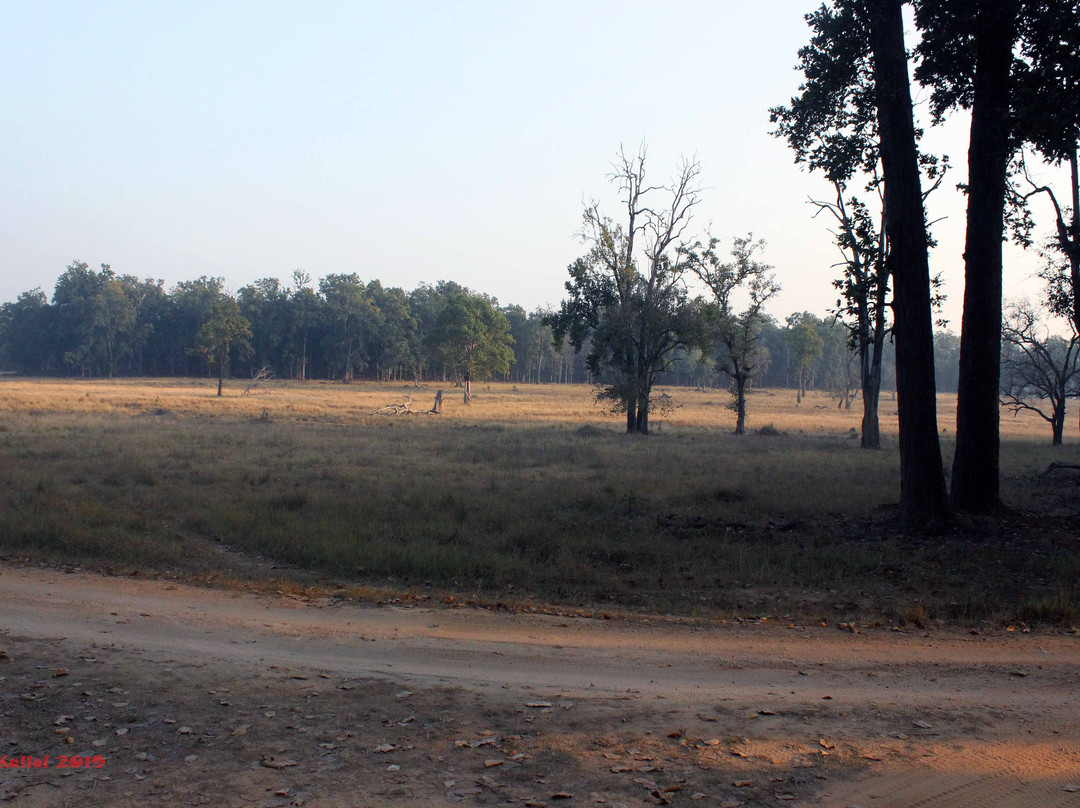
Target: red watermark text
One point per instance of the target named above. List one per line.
(52, 762)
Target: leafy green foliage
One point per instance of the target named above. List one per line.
(736, 335)
(224, 330)
(472, 337)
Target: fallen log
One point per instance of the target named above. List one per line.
(405, 408)
(265, 373)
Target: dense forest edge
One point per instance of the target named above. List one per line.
(102, 324)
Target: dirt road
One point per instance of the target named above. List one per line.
(191, 696)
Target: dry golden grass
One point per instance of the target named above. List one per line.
(532, 494)
(502, 403)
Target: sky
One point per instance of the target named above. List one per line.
(409, 142)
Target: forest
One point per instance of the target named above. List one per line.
(102, 324)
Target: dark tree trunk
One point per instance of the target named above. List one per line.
(871, 431)
(975, 483)
(871, 436)
(643, 411)
(346, 375)
(740, 403)
(871, 371)
(643, 382)
(1071, 243)
(923, 499)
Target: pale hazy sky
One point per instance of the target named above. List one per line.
(408, 142)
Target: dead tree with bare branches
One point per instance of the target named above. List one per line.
(1039, 371)
(627, 294)
(264, 374)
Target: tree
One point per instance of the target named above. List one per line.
(1037, 366)
(627, 295)
(149, 304)
(863, 304)
(806, 348)
(26, 327)
(73, 298)
(737, 334)
(392, 342)
(923, 500)
(967, 55)
(264, 304)
(832, 127)
(532, 343)
(946, 360)
(192, 303)
(113, 319)
(224, 329)
(473, 337)
(303, 308)
(838, 371)
(1047, 82)
(352, 312)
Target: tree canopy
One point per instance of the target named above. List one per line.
(627, 295)
(473, 338)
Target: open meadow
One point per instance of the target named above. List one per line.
(530, 497)
(726, 564)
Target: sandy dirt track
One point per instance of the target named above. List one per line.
(205, 697)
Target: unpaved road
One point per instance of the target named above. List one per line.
(191, 696)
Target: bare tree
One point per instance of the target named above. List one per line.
(263, 374)
(1039, 371)
(627, 294)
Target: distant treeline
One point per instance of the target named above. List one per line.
(102, 324)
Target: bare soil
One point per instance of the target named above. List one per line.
(194, 696)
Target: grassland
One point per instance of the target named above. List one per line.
(530, 497)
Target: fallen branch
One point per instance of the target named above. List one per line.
(264, 374)
(404, 408)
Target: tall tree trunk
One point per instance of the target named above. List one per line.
(1071, 240)
(630, 376)
(871, 393)
(644, 391)
(740, 403)
(923, 499)
(975, 477)
(303, 359)
(871, 380)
